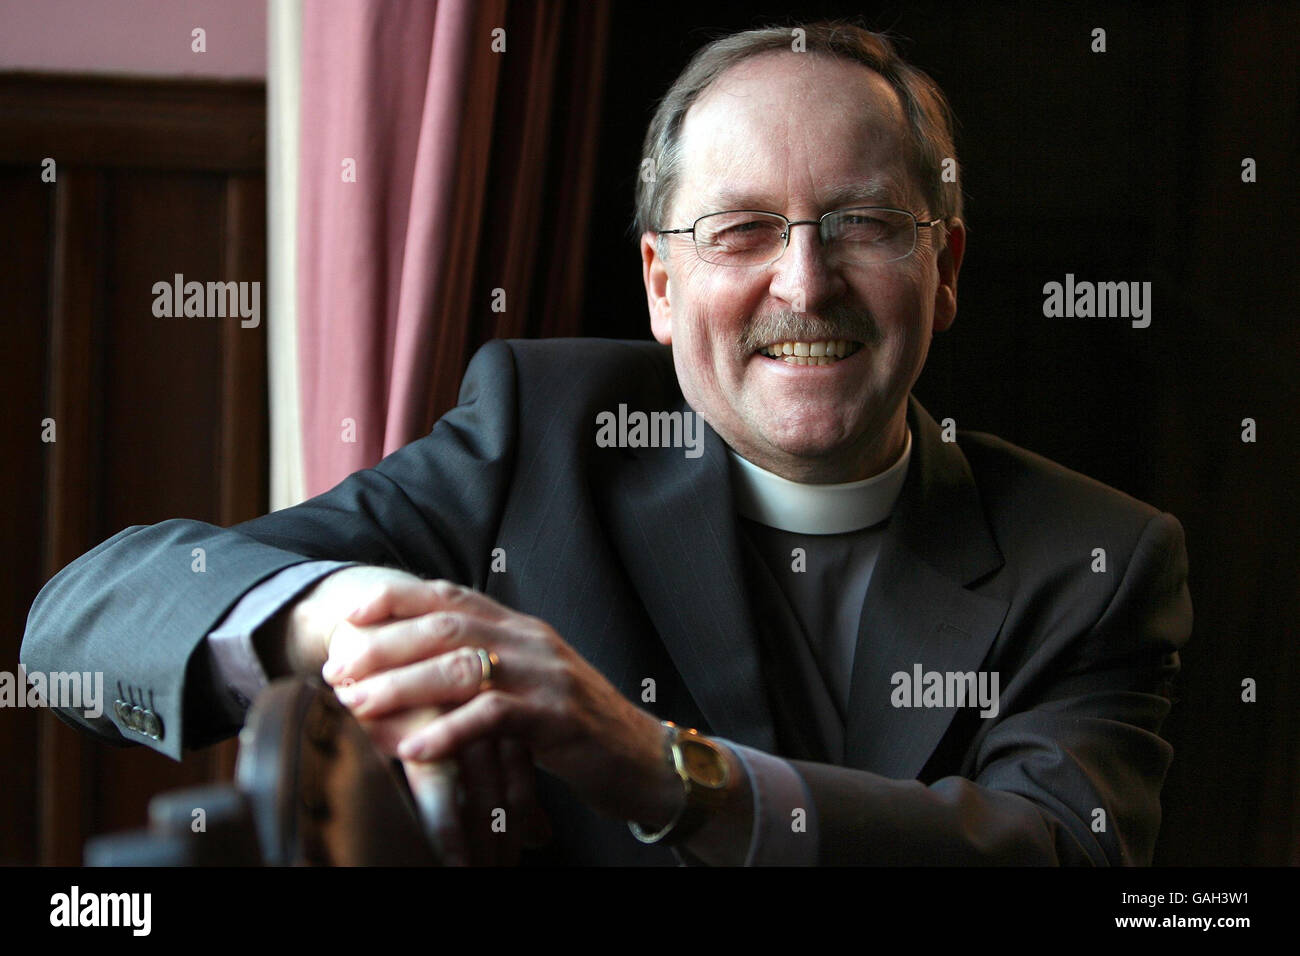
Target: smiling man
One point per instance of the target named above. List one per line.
(825, 142)
(832, 636)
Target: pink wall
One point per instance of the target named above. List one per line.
(134, 36)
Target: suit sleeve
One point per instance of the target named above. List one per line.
(138, 606)
(1073, 777)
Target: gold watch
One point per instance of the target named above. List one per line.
(705, 773)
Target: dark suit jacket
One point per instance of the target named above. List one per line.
(632, 556)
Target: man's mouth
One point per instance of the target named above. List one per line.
(821, 352)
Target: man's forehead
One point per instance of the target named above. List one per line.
(798, 91)
(876, 190)
(811, 79)
(780, 122)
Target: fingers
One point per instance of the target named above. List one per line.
(389, 731)
(490, 713)
(358, 652)
(401, 599)
(387, 646)
(412, 648)
(443, 681)
(394, 599)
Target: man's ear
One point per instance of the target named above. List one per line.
(949, 264)
(654, 272)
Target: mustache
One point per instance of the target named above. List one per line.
(834, 322)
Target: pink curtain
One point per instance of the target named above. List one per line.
(442, 133)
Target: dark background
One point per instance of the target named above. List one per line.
(1115, 166)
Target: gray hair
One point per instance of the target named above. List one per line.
(929, 117)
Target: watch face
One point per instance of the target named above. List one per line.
(705, 765)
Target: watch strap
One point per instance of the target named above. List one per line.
(694, 811)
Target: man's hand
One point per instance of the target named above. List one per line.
(310, 625)
(420, 651)
(457, 796)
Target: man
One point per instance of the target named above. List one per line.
(875, 645)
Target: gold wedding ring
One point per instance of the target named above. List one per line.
(488, 661)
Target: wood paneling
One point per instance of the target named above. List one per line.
(23, 304)
(101, 121)
(156, 417)
(72, 488)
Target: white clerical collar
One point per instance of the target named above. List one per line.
(817, 509)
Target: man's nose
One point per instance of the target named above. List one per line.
(804, 274)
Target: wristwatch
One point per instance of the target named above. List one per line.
(706, 776)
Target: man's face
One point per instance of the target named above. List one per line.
(800, 135)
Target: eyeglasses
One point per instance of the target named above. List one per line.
(862, 235)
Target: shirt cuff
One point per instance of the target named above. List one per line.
(785, 818)
(237, 672)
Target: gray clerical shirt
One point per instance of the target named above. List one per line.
(817, 547)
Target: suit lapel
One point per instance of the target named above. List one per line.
(918, 609)
(673, 523)
(672, 520)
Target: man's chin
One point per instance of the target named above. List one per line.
(806, 445)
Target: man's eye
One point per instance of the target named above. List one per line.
(745, 232)
(743, 227)
(863, 227)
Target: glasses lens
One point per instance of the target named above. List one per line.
(871, 235)
(739, 238)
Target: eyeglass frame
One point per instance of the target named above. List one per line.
(791, 223)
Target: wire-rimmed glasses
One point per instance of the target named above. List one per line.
(864, 235)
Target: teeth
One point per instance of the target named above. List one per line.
(811, 353)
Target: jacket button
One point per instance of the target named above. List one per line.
(152, 725)
(136, 718)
